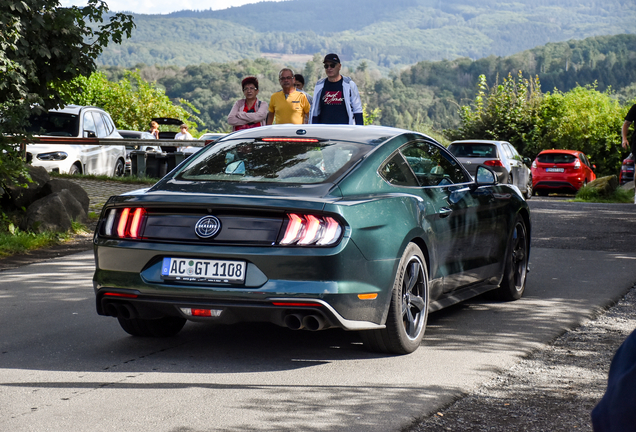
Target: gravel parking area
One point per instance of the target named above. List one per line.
(99, 191)
(553, 389)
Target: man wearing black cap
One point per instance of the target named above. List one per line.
(336, 98)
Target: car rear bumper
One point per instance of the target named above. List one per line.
(554, 185)
(339, 283)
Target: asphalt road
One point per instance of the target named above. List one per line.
(62, 367)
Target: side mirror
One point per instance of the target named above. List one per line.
(89, 134)
(527, 161)
(485, 176)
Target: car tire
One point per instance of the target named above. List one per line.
(513, 283)
(528, 193)
(74, 170)
(408, 309)
(162, 327)
(120, 168)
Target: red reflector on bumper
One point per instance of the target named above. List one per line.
(109, 294)
(201, 312)
(297, 304)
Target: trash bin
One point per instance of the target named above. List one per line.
(138, 163)
(174, 159)
(156, 164)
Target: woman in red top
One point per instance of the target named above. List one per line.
(249, 112)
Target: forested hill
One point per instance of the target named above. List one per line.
(427, 93)
(383, 33)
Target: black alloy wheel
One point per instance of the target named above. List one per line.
(408, 310)
(120, 168)
(513, 283)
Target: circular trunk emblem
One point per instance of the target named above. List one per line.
(207, 227)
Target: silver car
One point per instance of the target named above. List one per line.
(501, 156)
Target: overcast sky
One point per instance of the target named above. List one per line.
(163, 6)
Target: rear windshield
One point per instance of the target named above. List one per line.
(274, 162)
(54, 124)
(556, 158)
(473, 150)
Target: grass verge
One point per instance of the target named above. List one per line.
(591, 195)
(15, 241)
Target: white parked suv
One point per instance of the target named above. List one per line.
(85, 158)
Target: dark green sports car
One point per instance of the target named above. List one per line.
(311, 227)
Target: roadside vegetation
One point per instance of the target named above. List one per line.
(592, 195)
(15, 241)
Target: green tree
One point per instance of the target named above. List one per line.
(583, 119)
(42, 47)
(507, 112)
(131, 101)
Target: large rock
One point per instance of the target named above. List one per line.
(604, 185)
(21, 197)
(54, 212)
(628, 186)
(58, 185)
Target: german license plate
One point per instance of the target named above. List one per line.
(554, 169)
(202, 270)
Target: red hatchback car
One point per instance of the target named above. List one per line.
(561, 171)
(626, 174)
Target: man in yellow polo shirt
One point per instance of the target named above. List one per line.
(288, 105)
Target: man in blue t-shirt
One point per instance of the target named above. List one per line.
(336, 98)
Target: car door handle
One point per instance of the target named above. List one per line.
(444, 212)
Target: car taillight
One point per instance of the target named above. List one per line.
(124, 222)
(493, 163)
(534, 163)
(577, 164)
(311, 230)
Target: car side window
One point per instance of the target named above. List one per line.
(89, 125)
(433, 166)
(109, 124)
(510, 152)
(396, 171)
(99, 123)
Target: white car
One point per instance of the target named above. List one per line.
(78, 122)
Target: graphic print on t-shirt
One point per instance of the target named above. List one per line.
(333, 98)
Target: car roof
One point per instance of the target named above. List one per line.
(73, 109)
(478, 142)
(368, 134)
